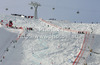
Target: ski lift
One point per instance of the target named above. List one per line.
(77, 12)
(53, 8)
(31, 7)
(6, 9)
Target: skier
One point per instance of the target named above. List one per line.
(0, 60)
(1, 22)
(10, 23)
(3, 57)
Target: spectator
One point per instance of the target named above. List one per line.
(10, 23)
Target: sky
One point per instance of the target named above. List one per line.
(89, 10)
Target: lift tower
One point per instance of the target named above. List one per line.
(35, 4)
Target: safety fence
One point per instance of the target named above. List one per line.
(88, 50)
(84, 51)
(57, 26)
(78, 56)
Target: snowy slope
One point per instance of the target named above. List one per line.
(6, 38)
(51, 44)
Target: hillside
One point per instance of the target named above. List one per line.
(49, 42)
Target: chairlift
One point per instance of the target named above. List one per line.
(78, 12)
(6, 9)
(53, 8)
(31, 7)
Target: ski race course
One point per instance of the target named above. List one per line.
(48, 42)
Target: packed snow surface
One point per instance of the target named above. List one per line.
(52, 43)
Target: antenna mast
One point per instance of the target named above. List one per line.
(35, 4)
